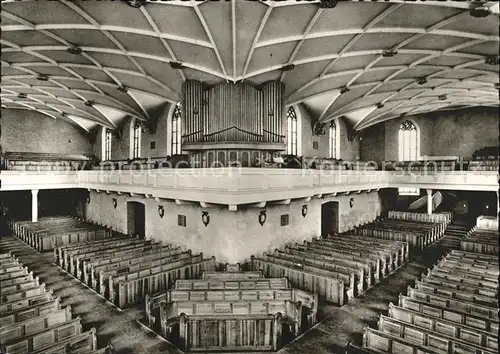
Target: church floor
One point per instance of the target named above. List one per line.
(330, 335)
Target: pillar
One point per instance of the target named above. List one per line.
(34, 205)
(429, 201)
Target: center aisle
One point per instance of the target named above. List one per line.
(113, 326)
(347, 323)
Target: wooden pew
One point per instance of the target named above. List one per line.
(80, 261)
(461, 305)
(426, 338)
(379, 342)
(450, 284)
(105, 278)
(439, 325)
(450, 314)
(386, 262)
(238, 333)
(17, 280)
(170, 312)
(80, 343)
(232, 275)
(456, 294)
(471, 279)
(371, 264)
(39, 323)
(37, 341)
(14, 296)
(19, 272)
(307, 300)
(359, 274)
(133, 287)
(19, 285)
(29, 308)
(364, 270)
(95, 271)
(331, 289)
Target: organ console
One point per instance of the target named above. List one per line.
(233, 124)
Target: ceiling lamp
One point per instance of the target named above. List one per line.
(74, 50)
(327, 4)
(380, 105)
(344, 89)
(176, 65)
(288, 67)
(22, 95)
(89, 103)
(64, 114)
(442, 97)
(43, 77)
(123, 88)
(422, 81)
(389, 53)
(480, 11)
(135, 3)
(492, 60)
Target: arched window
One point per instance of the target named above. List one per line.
(176, 129)
(136, 142)
(408, 142)
(333, 140)
(107, 144)
(291, 117)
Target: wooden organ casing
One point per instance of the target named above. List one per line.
(232, 124)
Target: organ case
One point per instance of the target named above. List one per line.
(232, 122)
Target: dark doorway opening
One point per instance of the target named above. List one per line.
(329, 218)
(136, 219)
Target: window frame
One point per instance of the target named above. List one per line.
(292, 131)
(333, 140)
(108, 135)
(408, 141)
(136, 140)
(176, 135)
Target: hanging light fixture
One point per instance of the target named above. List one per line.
(75, 50)
(422, 81)
(480, 11)
(135, 3)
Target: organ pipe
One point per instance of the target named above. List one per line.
(233, 113)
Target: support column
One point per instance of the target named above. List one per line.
(429, 201)
(34, 205)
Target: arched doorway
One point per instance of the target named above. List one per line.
(329, 218)
(136, 219)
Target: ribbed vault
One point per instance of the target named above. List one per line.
(97, 62)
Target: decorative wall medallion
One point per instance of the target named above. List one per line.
(351, 202)
(262, 217)
(161, 211)
(205, 218)
(115, 203)
(304, 210)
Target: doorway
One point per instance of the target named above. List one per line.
(329, 218)
(136, 219)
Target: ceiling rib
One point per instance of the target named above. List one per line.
(209, 35)
(262, 24)
(313, 20)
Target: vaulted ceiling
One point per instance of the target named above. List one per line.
(96, 62)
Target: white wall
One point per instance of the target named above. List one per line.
(233, 236)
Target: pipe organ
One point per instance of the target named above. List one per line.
(232, 123)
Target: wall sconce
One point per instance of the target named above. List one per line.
(262, 217)
(304, 211)
(195, 111)
(205, 218)
(351, 202)
(88, 198)
(161, 211)
(271, 113)
(115, 203)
